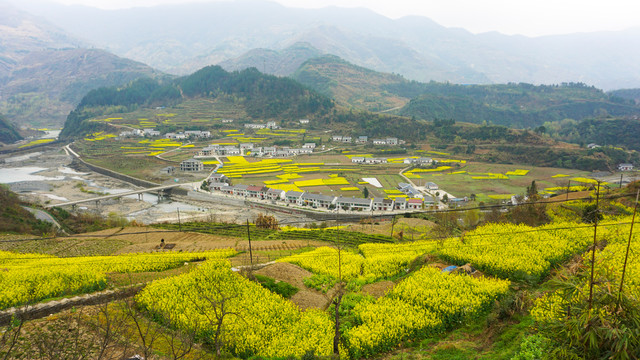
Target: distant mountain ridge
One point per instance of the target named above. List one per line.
(44, 72)
(183, 38)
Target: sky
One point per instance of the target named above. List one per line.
(523, 17)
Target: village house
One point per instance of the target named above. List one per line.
(625, 167)
(353, 203)
(429, 200)
(357, 159)
(258, 192)
(218, 186)
(241, 190)
(336, 138)
(414, 204)
(292, 197)
(379, 142)
(391, 141)
(215, 177)
(226, 121)
(198, 133)
(381, 204)
(375, 160)
(309, 146)
(304, 151)
(151, 132)
(409, 190)
(169, 170)
(362, 139)
(191, 165)
(255, 126)
(400, 203)
(272, 125)
(304, 121)
(316, 200)
(346, 139)
(275, 194)
(431, 185)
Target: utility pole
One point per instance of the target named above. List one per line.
(595, 241)
(626, 256)
(179, 223)
(250, 252)
(393, 223)
(621, 181)
(336, 336)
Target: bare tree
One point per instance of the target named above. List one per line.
(146, 330)
(212, 299)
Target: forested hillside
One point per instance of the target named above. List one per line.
(352, 85)
(513, 105)
(8, 133)
(612, 132)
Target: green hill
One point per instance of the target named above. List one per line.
(351, 85)
(8, 133)
(513, 105)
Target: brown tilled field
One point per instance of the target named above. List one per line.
(147, 239)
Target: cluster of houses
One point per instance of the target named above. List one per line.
(220, 183)
(372, 160)
(390, 141)
(269, 125)
(174, 136)
(245, 149)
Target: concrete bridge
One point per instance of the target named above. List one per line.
(161, 191)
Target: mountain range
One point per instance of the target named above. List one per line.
(45, 72)
(182, 38)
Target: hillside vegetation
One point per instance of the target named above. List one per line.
(8, 133)
(513, 105)
(249, 92)
(351, 85)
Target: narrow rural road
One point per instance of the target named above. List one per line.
(43, 215)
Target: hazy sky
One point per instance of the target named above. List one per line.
(526, 17)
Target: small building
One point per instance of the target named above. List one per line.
(375, 160)
(391, 141)
(272, 125)
(362, 139)
(400, 203)
(357, 159)
(304, 121)
(226, 121)
(431, 185)
(217, 186)
(346, 139)
(191, 165)
(292, 197)
(353, 203)
(593, 146)
(258, 192)
(336, 138)
(625, 167)
(222, 178)
(275, 194)
(379, 142)
(381, 204)
(168, 170)
(151, 132)
(316, 200)
(429, 200)
(241, 190)
(309, 146)
(246, 146)
(304, 151)
(255, 126)
(414, 204)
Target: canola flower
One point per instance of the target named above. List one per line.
(425, 303)
(33, 277)
(278, 328)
